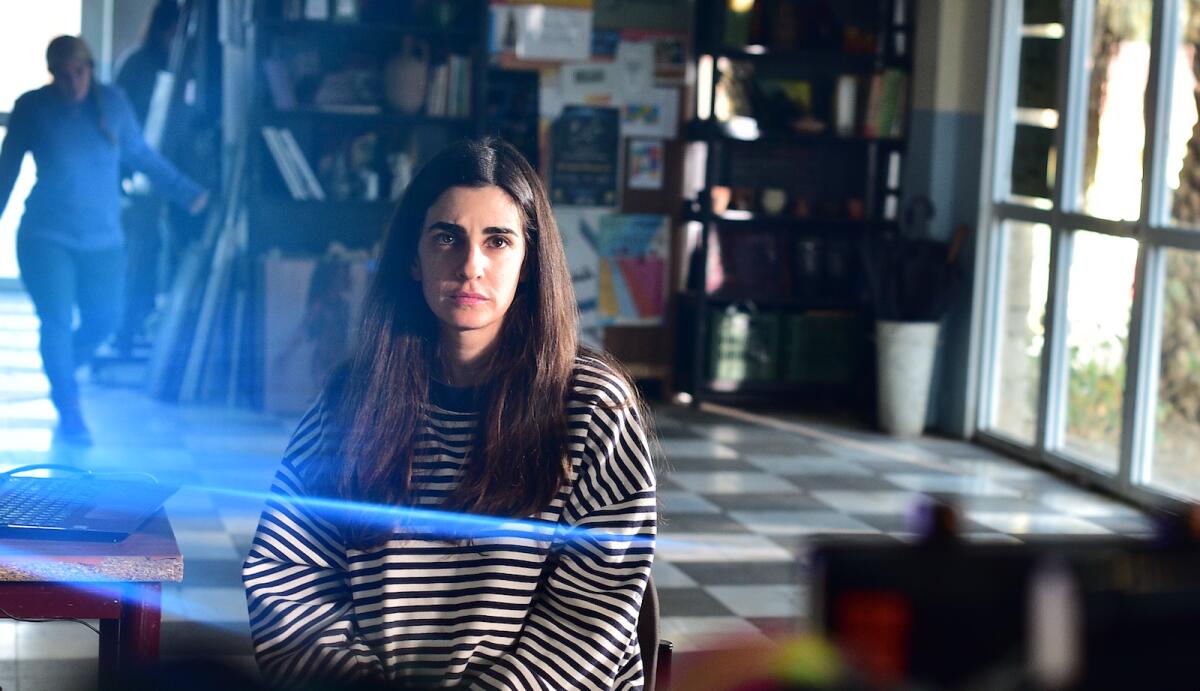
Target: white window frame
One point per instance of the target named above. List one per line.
(1153, 231)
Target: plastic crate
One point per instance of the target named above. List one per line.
(743, 346)
(822, 348)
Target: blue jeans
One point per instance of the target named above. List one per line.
(58, 279)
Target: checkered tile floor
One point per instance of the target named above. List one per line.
(739, 496)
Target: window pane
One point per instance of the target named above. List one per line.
(12, 216)
(1175, 464)
(1183, 150)
(1034, 156)
(1115, 124)
(1099, 297)
(1022, 312)
(25, 29)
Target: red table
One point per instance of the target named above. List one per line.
(118, 583)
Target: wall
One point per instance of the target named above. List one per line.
(944, 164)
(111, 27)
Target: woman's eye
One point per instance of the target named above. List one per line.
(500, 241)
(445, 239)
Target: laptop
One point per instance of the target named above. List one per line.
(76, 508)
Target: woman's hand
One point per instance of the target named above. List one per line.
(199, 203)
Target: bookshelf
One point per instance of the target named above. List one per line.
(795, 154)
(347, 99)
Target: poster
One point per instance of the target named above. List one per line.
(645, 164)
(585, 156)
(632, 275)
(670, 52)
(513, 110)
(551, 33)
(589, 83)
(580, 228)
(635, 65)
(651, 113)
(310, 308)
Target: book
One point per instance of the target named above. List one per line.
(459, 99)
(845, 97)
(901, 103)
(451, 86)
(435, 98)
(309, 179)
(874, 109)
(278, 151)
(886, 99)
(316, 10)
(279, 81)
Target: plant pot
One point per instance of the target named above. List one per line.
(905, 352)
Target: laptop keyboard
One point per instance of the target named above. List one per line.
(43, 501)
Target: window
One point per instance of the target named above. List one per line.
(25, 30)
(1091, 338)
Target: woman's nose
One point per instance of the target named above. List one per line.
(472, 263)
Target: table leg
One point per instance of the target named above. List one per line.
(110, 636)
(141, 617)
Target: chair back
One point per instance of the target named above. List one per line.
(656, 653)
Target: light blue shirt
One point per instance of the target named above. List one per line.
(76, 199)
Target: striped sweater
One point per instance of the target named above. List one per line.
(504, 610)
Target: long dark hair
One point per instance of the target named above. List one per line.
(519, 462)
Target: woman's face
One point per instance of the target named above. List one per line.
(73, 78)
(469, 258)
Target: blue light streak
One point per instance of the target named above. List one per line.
(421, 523)
(434, 523)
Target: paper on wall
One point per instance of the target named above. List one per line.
(635, 65)
(651, 113)
(550, 95)
(645, 162)
(631, 268)
(589, 84)
(552, 33)
(579, 227)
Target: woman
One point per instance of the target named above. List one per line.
(143, 209)
(469, 394)
(69, 244)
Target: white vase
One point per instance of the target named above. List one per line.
(405, 76)
(904, 358)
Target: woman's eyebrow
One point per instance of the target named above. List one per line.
(455, 228)
(443, 225)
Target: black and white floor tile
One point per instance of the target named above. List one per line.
(740, 497)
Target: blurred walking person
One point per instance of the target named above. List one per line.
(70, 247)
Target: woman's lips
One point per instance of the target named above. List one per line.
(468, 298)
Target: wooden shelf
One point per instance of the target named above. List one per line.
(352, 204)
(785, 303)
(325, 28)
(725, 386)
(277, 221)
(700, 130)
(381, 117)
(308, 226)
(810, 225)
(807, 59)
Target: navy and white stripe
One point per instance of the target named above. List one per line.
(504, 610)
